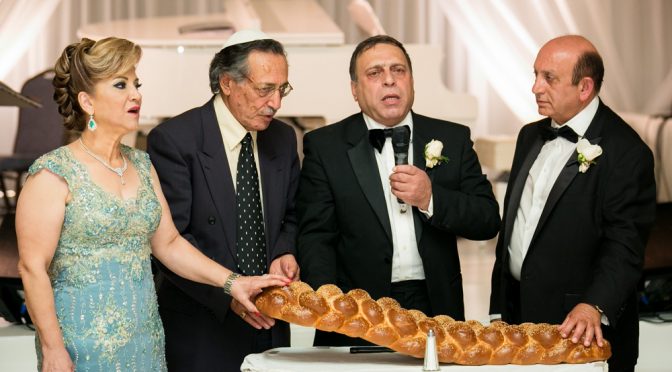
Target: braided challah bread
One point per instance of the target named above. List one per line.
(384, 322)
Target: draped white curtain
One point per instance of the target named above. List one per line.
(497, 41)
(489, 45)
(33, 33)
(28, 17)
(21, 23)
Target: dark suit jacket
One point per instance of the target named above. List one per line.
(589, 243)
(345, 236)
(188, 154)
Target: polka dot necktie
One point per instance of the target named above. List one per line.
(250, 240)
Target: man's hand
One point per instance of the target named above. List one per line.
(412, 185)
(583, 322)
(256, 320)
(285, 265)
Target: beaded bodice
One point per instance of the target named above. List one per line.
(101, 270)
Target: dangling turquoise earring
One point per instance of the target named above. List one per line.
(92, 124)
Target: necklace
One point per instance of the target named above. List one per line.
(119, 171)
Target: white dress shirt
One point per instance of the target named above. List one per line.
(543, 174)
(232, 134)
(406, 261)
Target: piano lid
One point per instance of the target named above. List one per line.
(9, 97)
(292, 22)
(174, 65)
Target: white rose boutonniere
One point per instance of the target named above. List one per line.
(587, 154)
(433, 155)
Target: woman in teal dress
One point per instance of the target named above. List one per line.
(90, 215)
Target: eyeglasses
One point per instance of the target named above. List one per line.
(268, 89)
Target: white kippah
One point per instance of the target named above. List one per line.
(245, 36)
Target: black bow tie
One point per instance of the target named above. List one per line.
(377, 137)
(548, 133)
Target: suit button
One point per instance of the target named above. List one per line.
(211, 220)
(388, 260)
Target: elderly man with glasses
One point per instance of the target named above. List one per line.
(229, 171)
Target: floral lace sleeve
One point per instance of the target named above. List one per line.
(57, 162)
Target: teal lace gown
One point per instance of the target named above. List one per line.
(101, 275)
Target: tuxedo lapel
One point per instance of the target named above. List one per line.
(364, 165)
(420, 138)
(564, 179)
(570, 171)
(217, 175)
(519, 184)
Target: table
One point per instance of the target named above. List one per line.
(326, 359)
(17, 354)
(17, 349)
(655, 343)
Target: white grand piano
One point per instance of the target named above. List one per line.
(174, 67)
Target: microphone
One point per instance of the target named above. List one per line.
(401, 139)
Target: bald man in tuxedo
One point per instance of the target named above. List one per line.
(576, 216)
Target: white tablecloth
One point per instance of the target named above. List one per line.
(326, 359)
(17, 349)
(655, 347)
(17, 354)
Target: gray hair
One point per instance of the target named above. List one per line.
(232, 60)
(589, 64)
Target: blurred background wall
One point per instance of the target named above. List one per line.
(489, 45)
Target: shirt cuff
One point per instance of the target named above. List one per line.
(430, 209)
(604, 320)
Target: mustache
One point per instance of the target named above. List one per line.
(268, 111)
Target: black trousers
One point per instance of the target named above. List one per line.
(262, 341)
(196, 340)
(513, 302)
(616, 363)
(412, 294)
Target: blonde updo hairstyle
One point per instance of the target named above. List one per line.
(81, 66)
